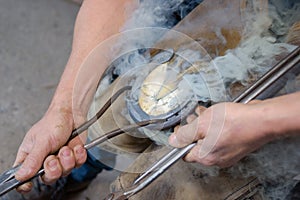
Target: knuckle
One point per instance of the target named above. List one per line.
(52, 168)
(67, 164)
(182, 138)
(32, 161)
(190, 158)
(193, 156)
(53, 142)
(80, 155)
(80, 160)
(200, 128)
(65, 152)
(209, 160)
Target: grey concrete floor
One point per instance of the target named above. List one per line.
(35, 41)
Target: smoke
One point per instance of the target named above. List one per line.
(262, 45)
(276, 165)
(283, 14)
(160, 13)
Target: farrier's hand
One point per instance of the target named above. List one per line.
(44, 138)
(225, 133)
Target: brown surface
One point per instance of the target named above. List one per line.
(184, 181)
(216, 25)
(293, 36)
(113, 119)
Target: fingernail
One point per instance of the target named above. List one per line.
(66, 153)
(79, 149)
(173, 140)
(52, 165)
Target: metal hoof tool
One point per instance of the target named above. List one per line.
(286, 65)
(156, 170)
(8, 180)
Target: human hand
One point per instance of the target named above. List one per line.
(47, 137)
(225, 133)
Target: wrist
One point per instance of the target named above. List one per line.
(62, 99)
(262, 122)
(273, 119)
(60, 107)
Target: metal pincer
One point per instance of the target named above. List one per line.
(8, 180)
(259, 87)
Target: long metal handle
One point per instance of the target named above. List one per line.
(119, 131)
(158, 171)
(10, 182)
(13, 183)
(173, 152)
(104, 108)
(250, 94)
(270, 77)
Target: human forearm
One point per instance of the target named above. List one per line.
(280, 116)
(97, 20)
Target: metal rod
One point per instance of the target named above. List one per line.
(250, 94)
(268, 82)
(156, 165)
(160, 171)
(12, 183)
(87, 124)
(119, 131)
(289, 58)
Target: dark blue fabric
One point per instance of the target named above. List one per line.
(88, 170)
